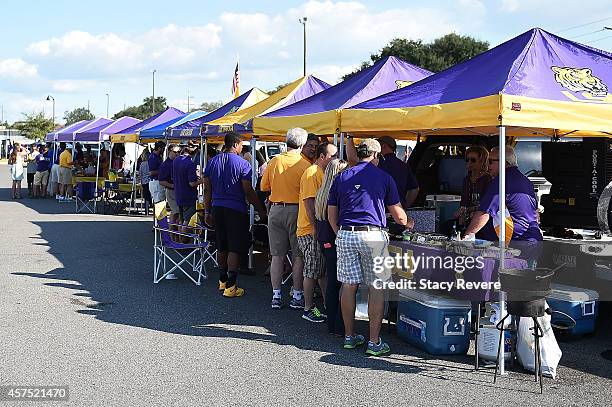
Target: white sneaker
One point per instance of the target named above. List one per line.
(58, 197)
(171, 276)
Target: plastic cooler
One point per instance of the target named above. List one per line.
(435, 323)
(579, 303)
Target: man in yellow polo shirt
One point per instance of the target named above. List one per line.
(314, 269)
(282, 179)
(65, 175)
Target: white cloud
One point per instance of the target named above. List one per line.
(15, 68)
(510, 6)
(332, 74)
(70, 86)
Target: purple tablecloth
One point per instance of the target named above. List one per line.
(487, 273)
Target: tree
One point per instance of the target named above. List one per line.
(279, 87)
(34, 125)
(143, 111)
(210, 106)
(75, 115)
(435, 56)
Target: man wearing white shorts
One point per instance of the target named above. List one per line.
(356, 211)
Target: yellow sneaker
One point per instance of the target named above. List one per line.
(233, 291)
(222, 286)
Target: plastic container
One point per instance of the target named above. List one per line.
(579, 303)
(435, 323)
(488, 340)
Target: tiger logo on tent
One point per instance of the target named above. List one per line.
(402, 84)
(580, 80)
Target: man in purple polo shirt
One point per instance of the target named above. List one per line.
(521, 202)
(155, 161)
(356, 211)
(399, 170)
(227, 186)
(166, 181)
(186, 183)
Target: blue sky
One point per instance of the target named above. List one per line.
(78, 51)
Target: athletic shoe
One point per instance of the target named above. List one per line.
(351, 342)
(323, 312)
(277, 303)
(378, 349)
(222, 285)
(233, 291)
(171, 276)
(297, 304)
(313, 315)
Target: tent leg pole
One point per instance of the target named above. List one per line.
(502, 232)
(251, 207)
(97, 175)
(341, 147)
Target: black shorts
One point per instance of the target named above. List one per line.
(187, 212)
(31, 177)
(231, 230)
(146, 194)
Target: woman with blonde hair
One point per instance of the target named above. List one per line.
(474, 183)
(327, 238)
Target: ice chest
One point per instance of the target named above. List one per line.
(435, 323)
(579, 303)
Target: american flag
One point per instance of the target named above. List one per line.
(236, 82)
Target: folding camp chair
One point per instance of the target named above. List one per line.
(86, 197)
(188, 258)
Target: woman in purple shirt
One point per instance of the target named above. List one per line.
(327, 239)
(474, 184)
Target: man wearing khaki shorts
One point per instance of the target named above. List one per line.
(41, 177)
(65, 175)
(282, 179)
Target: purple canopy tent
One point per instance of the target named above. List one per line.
(317, 113)
(132, 133)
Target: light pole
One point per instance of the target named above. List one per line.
(153, 101)
(188, 101)
(107, 103)
(303, 22)
(49, 97)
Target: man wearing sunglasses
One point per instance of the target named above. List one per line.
(521, 202)
(306, 231)
(399, 170)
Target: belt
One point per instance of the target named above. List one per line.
(364, 228)
(282, 204)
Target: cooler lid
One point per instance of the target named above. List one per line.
(573, 294)
(434, 300)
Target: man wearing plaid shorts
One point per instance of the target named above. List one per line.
(356, 211)
(306, 231)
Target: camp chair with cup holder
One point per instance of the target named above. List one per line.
(170, 256)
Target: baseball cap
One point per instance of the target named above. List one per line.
(388, 141)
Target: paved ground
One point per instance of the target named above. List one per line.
(78, 308)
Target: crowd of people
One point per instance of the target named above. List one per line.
(327, 215)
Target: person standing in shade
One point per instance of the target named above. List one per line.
(356, 211)
(521, 203)
(227, 187)
(282, 179)
(31, 169)
(155, 161)
(144, 179)
(42, 173)
(314, 264)
(186, 181)
(327, 240)
(65, 175)
(166, 181)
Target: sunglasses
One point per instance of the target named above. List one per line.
(492, 160)
(471, 160)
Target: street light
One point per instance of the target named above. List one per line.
(153, 101)
(107, 103)
(49, 97)
(303, 22)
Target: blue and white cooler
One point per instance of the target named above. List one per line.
(579, 303)
(435, 323)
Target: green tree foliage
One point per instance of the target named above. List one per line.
(143, 111)
(34, 125)
(276, 89)
(75, 115)
(435, 56)
(210, 106)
